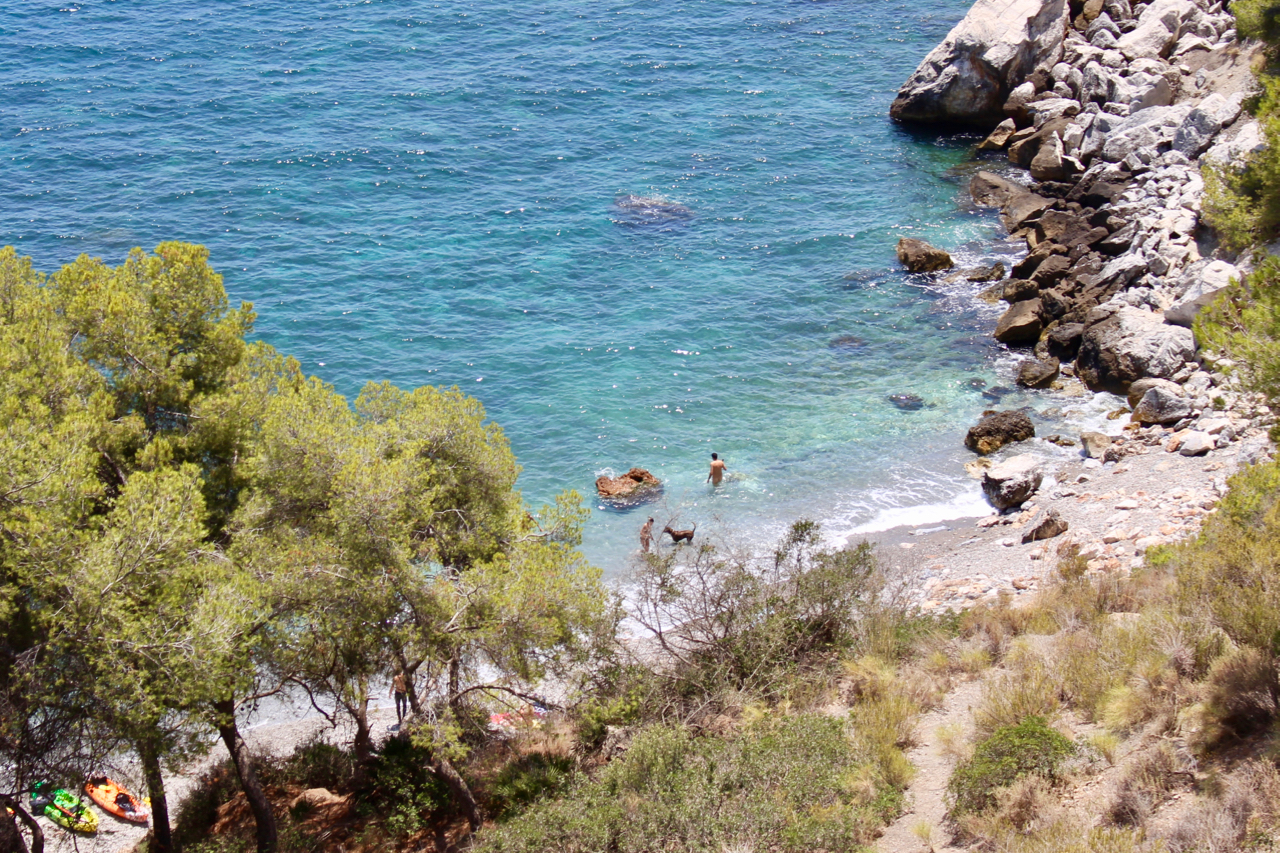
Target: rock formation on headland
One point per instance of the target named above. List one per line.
(1111, 105)
(968, 78)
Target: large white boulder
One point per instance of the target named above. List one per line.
(1145, 129)
(1123, 344)
(1158, 28)
(1202, 283)
(1007, 484)
(968, 77)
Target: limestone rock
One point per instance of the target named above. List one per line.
(998, 429)
(919, 256)
(1158, 28)
(1095, 444)
(1122, 345)
(1009, 483)
(631, 485)
(1202, 287)
(317, 798)
(999, 137)
(1196, 443)
(1017, 204)
(1138, 390)
(1047, 526)
(1048, 164)
(1064, 340)
(1038, 373)
(1021, 324)
(968, 78)
(1160, 406)
(907, 402)
(995, 272)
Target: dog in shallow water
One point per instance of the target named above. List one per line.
(680, 535)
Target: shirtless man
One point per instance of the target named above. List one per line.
(646, 535)
(717, 470)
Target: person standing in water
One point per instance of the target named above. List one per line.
(717, 470)
(401, 693)
(646, 535)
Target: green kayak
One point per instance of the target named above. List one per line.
(63, 808)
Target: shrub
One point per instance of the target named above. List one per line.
(526, 780)
(317, 764)
(1228, 572)
(198, 810)
(400, 788)
(1146, 781)
(786, 784)
(1007, 755)
(1240, 697)
(1014, 696)
(759, 625)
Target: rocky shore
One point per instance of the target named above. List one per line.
(1111, 107)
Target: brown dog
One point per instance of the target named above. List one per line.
(680, 535)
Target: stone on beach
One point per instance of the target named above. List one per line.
(1038, 372)
(1047, 526)
(1124, 344)
(998, 429)
(1161, 406)
(1021, 324)
(1009, 483)
(1095, 444)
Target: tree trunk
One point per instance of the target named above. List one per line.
(10, 839)
(161, 835)
(458, 787)
(455, 681)
(14, 843)
(258, 803)
(364, 737)
(409, 671)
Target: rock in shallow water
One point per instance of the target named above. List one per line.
(919, 256)
(633, 485)
(907, 402)
(1038, 372)
(998, 429)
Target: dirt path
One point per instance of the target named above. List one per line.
(925, 796)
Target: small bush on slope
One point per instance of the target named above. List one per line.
(1009, 754)
(787, 784)
(1229, 573)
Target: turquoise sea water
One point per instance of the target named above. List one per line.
(425, 193)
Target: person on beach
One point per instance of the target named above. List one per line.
(717, 470)
(401, 693)
(646, 535)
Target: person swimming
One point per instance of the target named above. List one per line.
(718, 470)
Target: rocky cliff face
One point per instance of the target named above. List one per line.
(1112, 110)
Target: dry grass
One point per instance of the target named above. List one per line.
(1239, 699)
(1246, 815)
(1031, 691)
(1149, 778)
(955, 745)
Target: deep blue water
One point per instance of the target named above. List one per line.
(425, 193)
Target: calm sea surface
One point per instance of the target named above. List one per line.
(428, 193)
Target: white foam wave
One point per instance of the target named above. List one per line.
(967, 504)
